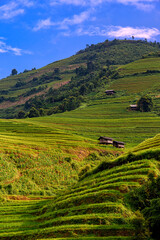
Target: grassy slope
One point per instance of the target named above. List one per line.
(109, 116)
(34, 158)
(31, 146)
(95, 208)
(64, 65)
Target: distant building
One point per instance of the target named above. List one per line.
(105, 140)
(118, 144)
(133, 107)
(110, 92)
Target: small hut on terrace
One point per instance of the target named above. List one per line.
(118, 144)
(133, 107)
(105, 140)
(110, 92)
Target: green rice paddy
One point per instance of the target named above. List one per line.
(42, 195)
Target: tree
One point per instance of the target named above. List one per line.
(21, 114)
(90, 66)
(145, 104)
(56, 71)
(33, 113)
(83, 89)
(41, 112)
(152, 215)
(19, 84)
(108, 63)
(81, 71)
(14, 72)
(147, 200)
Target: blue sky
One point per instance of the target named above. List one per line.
(35, 33)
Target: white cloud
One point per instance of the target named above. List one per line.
(72, 2)
(15, 51)
(140, 4)
(14, 8)
(26, 3)
(119, 32)
(91, 31)
(145, 5)
(43, 24)
(2, 38)
(10, 10)
(64, 24)
(5, 48)
(3, 51)
(75, 20)
(79, 2)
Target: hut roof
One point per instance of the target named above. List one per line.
(106, 138)
(133, 105)
(110, 90)
(119, 142)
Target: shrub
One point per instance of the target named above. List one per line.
(93, 156)
(68, 159)
(147, 199)
(14, 72)
(33, 113)
(145, 104)
(152, 213)
(84, 170)
(140, 225)
(74, 166)
(21, 114)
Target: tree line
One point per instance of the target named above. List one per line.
(70, 96)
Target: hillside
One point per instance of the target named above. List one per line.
(56, 180)
(97, 207)
(54, 150)
(48, 87)
(41, 160)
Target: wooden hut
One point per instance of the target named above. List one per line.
(133, 107)
(110, 92)
(105, 140)
(118, 144)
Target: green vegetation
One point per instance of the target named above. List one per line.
(147, 200)
(72, 135)
(105, 205)
(39, 160)
(145, 104)
(62, 85)
(14, 72)
(56, 181)
(118, 51)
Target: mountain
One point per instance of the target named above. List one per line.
(69, 140)
(56, 180)
(47, 88)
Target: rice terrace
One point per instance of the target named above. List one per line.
(78, 161)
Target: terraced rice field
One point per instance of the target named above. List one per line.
(140, 66)
(106, 119)
(35, 149)
(142, 81)
(39, 157)
(95, 208)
